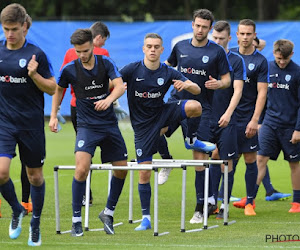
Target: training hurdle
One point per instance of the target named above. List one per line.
(133, 166)
(184, 164)
(107, 167)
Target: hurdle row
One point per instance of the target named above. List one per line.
(156, 164)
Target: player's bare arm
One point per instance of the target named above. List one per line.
(46, 85)
(188, 85)
(223, 83)
(235, 99)
(252, 127)
(119, 90)
(56, 99)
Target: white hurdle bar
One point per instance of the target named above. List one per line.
(191, 163)
(109, 167)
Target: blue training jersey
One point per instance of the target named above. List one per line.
(283, 103)
(222, 97)
(257, 70)
(21, 101)
(146, 90)
(90, 86)
(197, 64)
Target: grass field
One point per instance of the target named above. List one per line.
(248, 232)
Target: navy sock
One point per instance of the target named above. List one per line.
(9, 194)
(78, 190)
(163, 148)
(199, 185)
(192, 124)
(116, 186)
(25, 184)
(145, 197)
(296, 196)
(250, 178)
(267, 182)
(37, 197)
(215, 177)
(230, 184)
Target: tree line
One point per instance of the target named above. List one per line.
(154, 10)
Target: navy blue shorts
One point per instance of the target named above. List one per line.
(109, 139)
(246, 145)
(31, 145)
(273, 140)
(226, 140)
(146, 139)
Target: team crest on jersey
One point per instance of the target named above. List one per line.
(160, 81)
(139, 152)
(205, 59)
(251, 66)
(288, 78)
(22, 62)
(80, 143)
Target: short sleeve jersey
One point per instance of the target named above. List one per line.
(257, 70)
(146, 90)
(283, 103)
(91, 86)
(21, 101)
(197, 64)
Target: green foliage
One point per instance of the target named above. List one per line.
(159, 10)
(246, 233)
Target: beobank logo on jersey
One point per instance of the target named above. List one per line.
(276, 85)
(200, 72)
(147, 95)
(11, 79)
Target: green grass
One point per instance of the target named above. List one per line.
(248, 232)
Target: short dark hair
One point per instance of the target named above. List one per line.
(13, 13)
(222, 25)
(204, 14)
(99, 28)
(256, 39)
(248, 22)
(284, 47)
(81, 36)
(28, 21)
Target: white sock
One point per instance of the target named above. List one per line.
(107, 211)
(211, 200)
(147, 216)
(76, 219)
(223, 206)
(191, 141)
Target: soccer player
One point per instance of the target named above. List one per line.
(250, 108)
(223, 119)
(100, 35)
(280, 129)
(25, 74)
(97, 124)
(203, 62)
(147, 83)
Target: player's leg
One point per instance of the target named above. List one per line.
(7, 190)
(251, 176)
(32, 154)
(113, 150)
(165, 154)
(295, 176)
(25, 190)
(36, 179)
(83, 161)
(193, 111)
